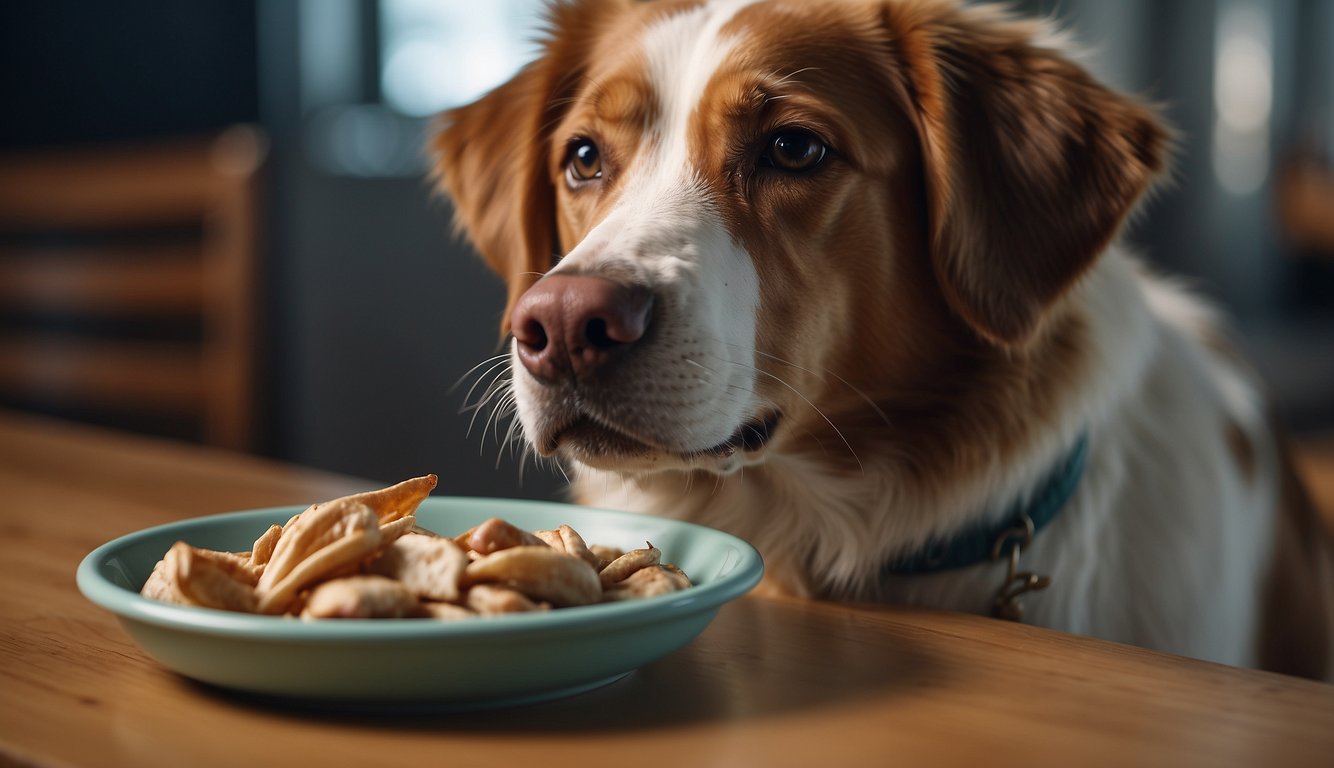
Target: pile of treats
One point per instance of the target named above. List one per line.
(363, 556)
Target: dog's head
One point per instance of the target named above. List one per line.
(725, 225)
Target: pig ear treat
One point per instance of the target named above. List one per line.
(203, 578)
(496, 534)
(396, 501)
(264, 545)
(490, 599)
(321, 542)
(215, 579)
(319, 525)
(391, 532)
(432, 609)
(648, 582)
(360, 597)
(539, 572)
(430, 567)
(566, 539)
(621, 568)
(364, 556)
(604, 554)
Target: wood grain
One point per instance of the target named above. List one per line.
(107, 281)
(772, 682)
(104, 242)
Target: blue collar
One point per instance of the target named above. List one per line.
(979, 543)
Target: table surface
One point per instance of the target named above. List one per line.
(773, 681)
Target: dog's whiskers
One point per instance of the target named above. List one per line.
(497, 400)
(488, 392)
(504, 407)
(710, 373)
(508, 446)
(783, 382)
(492, 361)
(718, 481)
(495, 394)
(820, 374)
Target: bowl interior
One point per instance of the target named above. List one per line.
(706, 555)
(721, 566)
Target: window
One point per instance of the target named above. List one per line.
(374, 72)
(437, 54)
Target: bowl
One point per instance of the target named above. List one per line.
(487, 661)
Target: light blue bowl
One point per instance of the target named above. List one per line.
(480, 662)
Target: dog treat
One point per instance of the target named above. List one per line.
(493, 599)
(360, 597)
(444, 611)
(604, 554)
(539, 572)
(204, 578)
(364, 556)
(621, 568)
(323, 542)
(396, 501)
(430, 566)
(264, 546)
(566, 539)
(648, 582)
(496, 534)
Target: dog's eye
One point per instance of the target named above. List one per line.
(794, 150)
(584, 162)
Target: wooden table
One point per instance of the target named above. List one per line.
(771, 682)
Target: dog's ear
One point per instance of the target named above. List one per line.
(491, 156)
(1031, 165)
(491, 161)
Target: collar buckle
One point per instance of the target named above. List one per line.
(1006, 605)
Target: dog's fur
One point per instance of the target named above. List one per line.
(844, 363)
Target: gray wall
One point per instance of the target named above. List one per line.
(378, 312)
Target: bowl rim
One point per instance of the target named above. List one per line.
(131, 606)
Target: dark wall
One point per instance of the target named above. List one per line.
(75, 71)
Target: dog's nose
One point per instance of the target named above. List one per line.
(571, 325)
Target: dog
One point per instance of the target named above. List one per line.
(843, 278)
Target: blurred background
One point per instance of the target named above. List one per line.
(215, 222)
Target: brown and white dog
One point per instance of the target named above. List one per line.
(840, 277)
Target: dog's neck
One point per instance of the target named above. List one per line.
(823, 529)
(826, 525)
(986, 541)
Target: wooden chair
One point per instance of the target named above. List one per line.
(127, 285)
